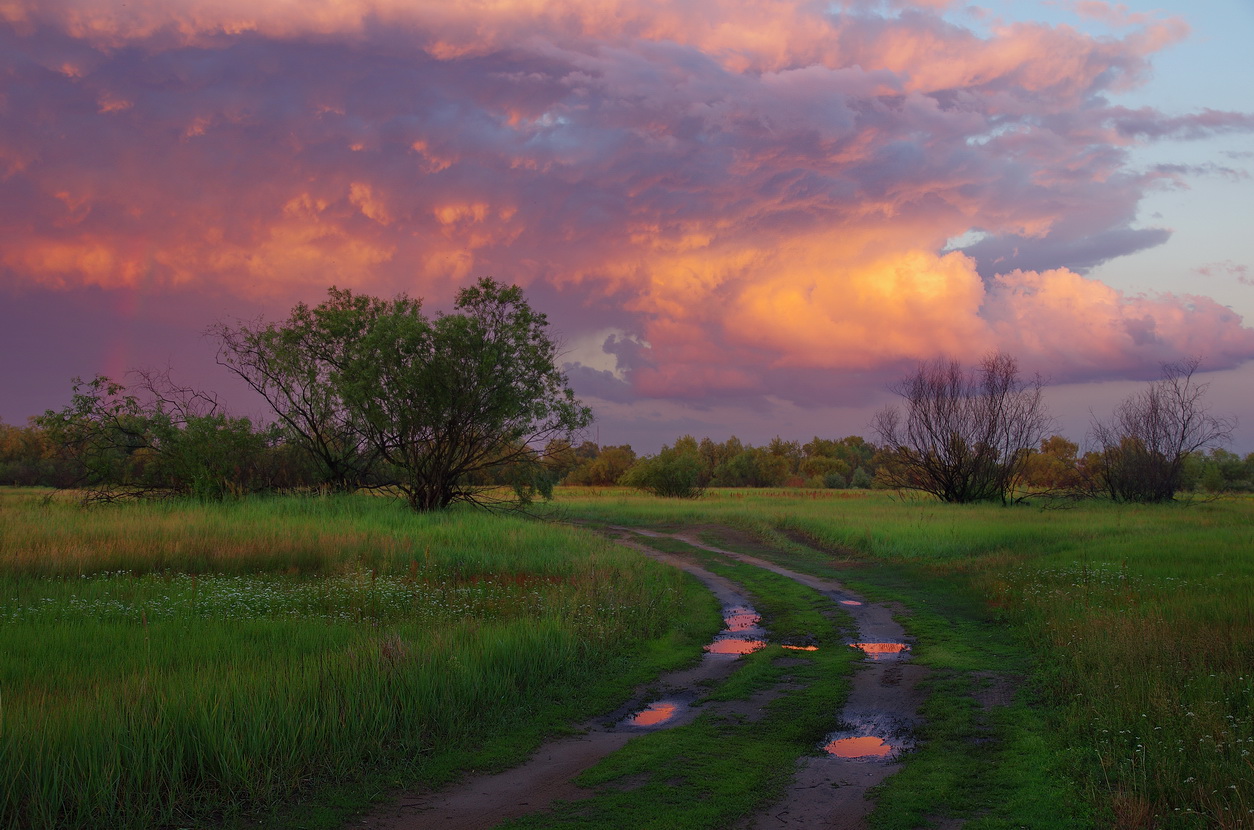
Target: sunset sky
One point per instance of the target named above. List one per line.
(741, 217)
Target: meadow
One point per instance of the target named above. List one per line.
(1133, 626)
(186, 664)
(179, 664)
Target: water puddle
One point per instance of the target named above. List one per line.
(655, 713)
(868, 746)
(740, 618)
(881, 651)
(849, 602)
(735, 645)
(741, 634)
(870, 737)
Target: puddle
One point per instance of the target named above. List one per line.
(741, 618)
(735, 645)
(881, 651)
(849, 602)
(865, 747)
(741, 634)
(655, 713)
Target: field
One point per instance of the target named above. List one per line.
(1134, 627)
(183, 664)
(177, 664)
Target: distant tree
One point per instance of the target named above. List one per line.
(675, 472)
(27, 457)
(606, 469)
(154, 439)
(1054, 467)
(752, 467)
(965, 435)
(1146, 443)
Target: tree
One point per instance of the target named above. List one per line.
(1054, 467)
(443, 404)
(965, 435)
(1145, 444)
(290, 365)
(157, 439)
(675, 472)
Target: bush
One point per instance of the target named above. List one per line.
(671, 474)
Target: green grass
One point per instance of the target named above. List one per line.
(186, 663)
(1133, 625)
(720, 769)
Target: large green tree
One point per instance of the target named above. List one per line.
(442, 403)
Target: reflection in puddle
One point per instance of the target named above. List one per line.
(741, 634)
(740, 618)
(866, 747)
(881, 651)
(658, 712)
(802, 648)
(849, 602)
(734, 645)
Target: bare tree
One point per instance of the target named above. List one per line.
(965, 435)
(1144, 444)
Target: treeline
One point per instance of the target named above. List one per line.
(847, 462)
(1056, 466)
(213, 455)
(470, 406)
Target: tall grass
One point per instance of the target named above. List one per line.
(172, 663)
(1140, 619)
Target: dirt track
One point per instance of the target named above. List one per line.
(828, 791)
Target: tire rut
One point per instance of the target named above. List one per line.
(827, 791)
(482, 801)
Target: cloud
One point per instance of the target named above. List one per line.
(754, 195)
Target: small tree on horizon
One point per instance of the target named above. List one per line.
(1146, 443)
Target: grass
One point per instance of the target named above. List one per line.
(721, 769)
(183, 663)
(1133, 625)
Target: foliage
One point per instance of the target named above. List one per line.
(1147, 441)
(966, 435)
(28, 458)
(290, 364)
(599, 466)
(445, 406)
(672, 473)
(753, 467)
(160, 440)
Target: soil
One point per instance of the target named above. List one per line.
(827, 791)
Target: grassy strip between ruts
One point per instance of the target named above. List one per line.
(719, 769)
(1134, 625)
(179, 664)
(987, 764)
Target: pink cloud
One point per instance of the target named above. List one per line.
(755, 194)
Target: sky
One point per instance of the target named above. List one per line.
(741, 218)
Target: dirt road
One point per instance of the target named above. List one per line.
(829, 789)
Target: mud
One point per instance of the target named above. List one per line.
(485, 800)
(828, 789)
